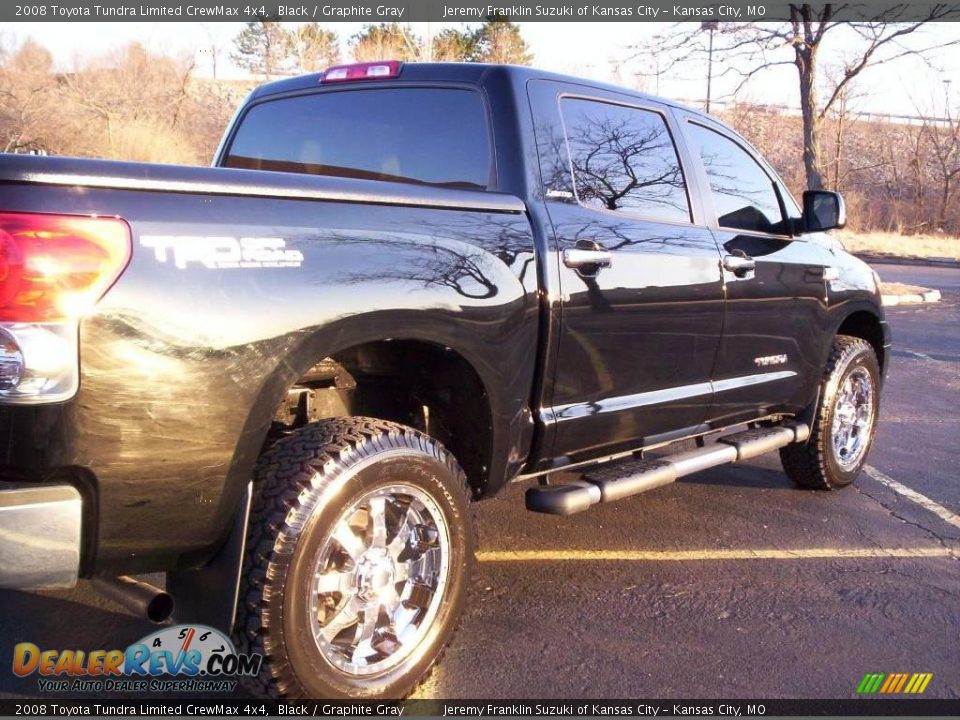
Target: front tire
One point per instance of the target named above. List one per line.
(360, 551)
(845, 420)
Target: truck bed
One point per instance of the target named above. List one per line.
(187, 357)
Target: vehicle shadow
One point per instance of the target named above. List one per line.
(66, 624)
(744, 476)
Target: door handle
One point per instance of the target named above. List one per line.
(578, 258)
(739, 265)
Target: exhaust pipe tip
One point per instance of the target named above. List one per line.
(160, 609)
(141, 598)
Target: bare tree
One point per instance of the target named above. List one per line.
(313, 47)
(751, 48)
(841, 118)
(387, 41)
(918, 170)
(943, 138)
(613, 158)
(129, 104)
(213, 48)
(26, 111)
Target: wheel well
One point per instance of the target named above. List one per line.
(423, 385)
(865, 325)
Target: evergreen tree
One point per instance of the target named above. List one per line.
(500, 41)
(262, 47)
(453, 45)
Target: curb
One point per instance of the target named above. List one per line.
(928, 296)
(943, 262)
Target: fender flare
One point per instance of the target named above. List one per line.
(195, 601)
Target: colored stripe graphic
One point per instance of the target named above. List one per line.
(894, 683)
(870, 683)
(921, 682)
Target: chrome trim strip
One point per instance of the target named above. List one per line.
(748, 380)
(39, 535)
(619, 403)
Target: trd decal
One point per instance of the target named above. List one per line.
(222, 252)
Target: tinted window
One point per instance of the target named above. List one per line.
(623, 159)
(414, 135)
(743, 193)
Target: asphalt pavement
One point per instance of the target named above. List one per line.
(728, 584)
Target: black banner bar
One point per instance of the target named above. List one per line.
(58, 707)
(455, 11)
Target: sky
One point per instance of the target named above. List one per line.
(591, 50)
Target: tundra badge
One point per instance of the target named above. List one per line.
(766, 360)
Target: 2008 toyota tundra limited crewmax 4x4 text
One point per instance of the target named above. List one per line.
(284, 379)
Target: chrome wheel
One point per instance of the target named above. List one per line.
(379, 580)
(853, 418)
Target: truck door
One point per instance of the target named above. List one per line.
(775, 284)
(639, 278)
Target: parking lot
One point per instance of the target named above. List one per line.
(730, 583)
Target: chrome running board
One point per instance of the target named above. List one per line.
(615, 482)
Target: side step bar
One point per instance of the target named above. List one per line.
(607, 484)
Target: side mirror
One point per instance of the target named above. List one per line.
(823, 210)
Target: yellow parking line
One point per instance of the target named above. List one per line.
(501, 556)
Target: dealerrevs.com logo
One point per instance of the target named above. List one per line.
(199, 659)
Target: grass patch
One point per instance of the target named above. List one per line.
(878, 243)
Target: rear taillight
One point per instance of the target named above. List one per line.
(381, 70)
(55, 267)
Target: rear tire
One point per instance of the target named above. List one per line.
(845, 420)
(360, 551)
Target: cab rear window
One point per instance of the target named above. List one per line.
(428, 136)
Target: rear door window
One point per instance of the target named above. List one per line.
(429, 136)
(623, 159)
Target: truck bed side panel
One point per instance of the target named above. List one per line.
(186, 359)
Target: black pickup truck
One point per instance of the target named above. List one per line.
(284, 379)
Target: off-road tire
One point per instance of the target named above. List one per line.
(813, 464)
(301, 482)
